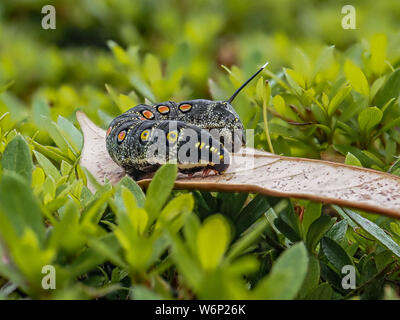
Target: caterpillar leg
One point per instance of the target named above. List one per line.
(206, 172)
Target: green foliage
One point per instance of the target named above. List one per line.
(315, 100)
(119, 242)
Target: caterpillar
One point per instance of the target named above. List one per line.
(198, 135)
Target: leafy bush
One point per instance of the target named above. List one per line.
(318, 101)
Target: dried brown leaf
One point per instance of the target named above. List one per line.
(262, 172)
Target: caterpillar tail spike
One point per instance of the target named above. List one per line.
(246, 83)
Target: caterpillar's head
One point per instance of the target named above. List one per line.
(232, 131)
(232, 127)
(219, 117)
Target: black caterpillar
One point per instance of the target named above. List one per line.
(198, 135)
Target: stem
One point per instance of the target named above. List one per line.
(265, 117)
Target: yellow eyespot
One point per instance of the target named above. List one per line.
(221, 157)
(121, 136)
(172, 136)
(145, 135)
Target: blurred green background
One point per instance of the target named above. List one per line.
(229, 32)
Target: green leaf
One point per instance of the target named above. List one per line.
(90, 258)
(391, 89)
(335, 254)
(378, 53)
(286, 277)
(185, 262)
(364, 159)
(379, 163)
(322, 292)
(212, 241)
(175, 211)
(190, 230)
(70, 133)
(369, 118)
(4, 87)
(388, 126)
(317, 230)
(20, 206)
(285, 131)
(287, 221)
(338, 99)
(312, 277)
(129, 183)
(41, 113)
(17, 158)
(140, 292)
(247, 239)
(341, 211)
(57, 136)
(301, 62)
(319, 114)
(352, 160)
(356, 78)
(375, 231)
(251, 213)
(295, 80)
(286, 230)
(142, 87)
(119, 53)
(160, 189)
(311, 213)
(383, 259)
(17, 109)
(324, 60)
(231, 203)
(354, 108)
(152, 68)
(108, 249)
(47, 166)
(280, 106)
(338, 231)
(138, 217)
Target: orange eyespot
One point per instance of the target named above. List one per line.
(147, 114)
(108, 131)
(185, 107)
(163, 109)
(121, 136)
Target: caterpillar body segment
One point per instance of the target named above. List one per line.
(141, 146)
